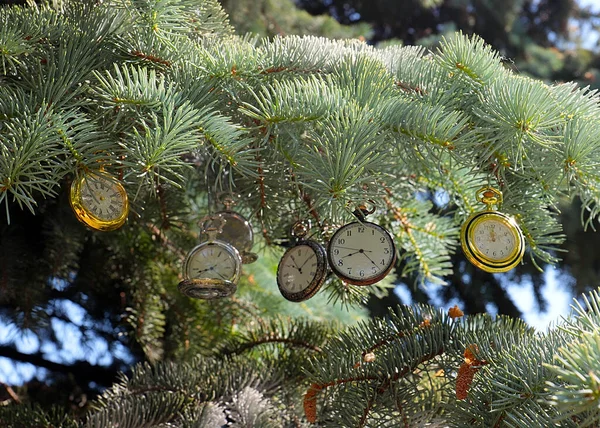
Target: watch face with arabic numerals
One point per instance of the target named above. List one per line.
(99, 200)
(302, 270)
(361, 253)
(492, 241)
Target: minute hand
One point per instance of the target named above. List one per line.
(358, 250)
(306, 261)
(374, 264)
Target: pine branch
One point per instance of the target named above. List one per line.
(301, 334)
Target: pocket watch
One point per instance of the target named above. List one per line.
(303, 267)
(491, 240)
(99, 200)
(237, 231)
(212, 268)
(361, 252)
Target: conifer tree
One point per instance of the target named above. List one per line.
(165, 98)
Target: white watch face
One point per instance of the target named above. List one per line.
(102, 197)
(361, 252)
(297, 269)
(494, 239)
(211, 260)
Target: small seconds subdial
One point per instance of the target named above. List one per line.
(301, 271)
(212, 260)
(361, 253)
(494, 239)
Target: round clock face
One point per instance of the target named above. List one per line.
(215, 260)
(361, 253)
(492, 241)
(301, 271)
(100, 201)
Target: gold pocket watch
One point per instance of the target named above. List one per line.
(99, 200)
(491, 240)
(211, 269)
(237, 231)
(303, 267)
(361, 252)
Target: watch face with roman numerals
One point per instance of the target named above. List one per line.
(361, 253)
(301, 271)
(100, 201)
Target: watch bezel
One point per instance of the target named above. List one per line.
(318, 279)
(369, 280)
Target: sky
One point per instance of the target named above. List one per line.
(594, 3)
(558, 297)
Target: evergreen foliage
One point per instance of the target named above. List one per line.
(548, 39)
(168, 99)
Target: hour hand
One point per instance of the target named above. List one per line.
(358, 250)
(294, 260)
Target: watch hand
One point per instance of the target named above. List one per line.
(219, 273)
(358, 250)
(204, 270)
(294, 260)
(306, 261)
(374, 264)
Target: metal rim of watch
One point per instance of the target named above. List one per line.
(224, 245)
(207, 288)
(318, 279)
(374, 279)
(479, 259)
(84, 215)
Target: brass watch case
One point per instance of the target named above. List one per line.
(476, 257)
(85, 214)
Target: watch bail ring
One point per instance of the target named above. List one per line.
(489, 196)
(212, 225)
